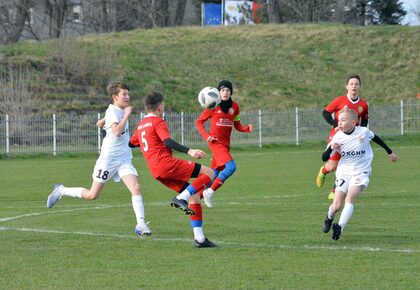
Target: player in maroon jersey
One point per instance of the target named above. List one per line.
(222, 119)
(153, 138)
(352, 101)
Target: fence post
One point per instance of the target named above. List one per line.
(402, 116)
(99, 134)
(260, 128)
(54, 135)
(297, 125)
(7, 135)
(182, 128)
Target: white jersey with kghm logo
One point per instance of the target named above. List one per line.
(356, 153)
(114, 147)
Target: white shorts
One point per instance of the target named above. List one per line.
(343, 181)
(106, 169)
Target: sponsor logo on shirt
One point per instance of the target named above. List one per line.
(353, 153)
(224, 123)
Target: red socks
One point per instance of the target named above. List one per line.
(216, 183)
(201, 182)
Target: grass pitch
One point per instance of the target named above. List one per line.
(267, 222)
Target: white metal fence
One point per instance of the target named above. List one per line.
(60, 133)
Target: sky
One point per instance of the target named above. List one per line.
(409, 6)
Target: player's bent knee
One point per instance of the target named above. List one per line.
(229, 170)
(208, 171)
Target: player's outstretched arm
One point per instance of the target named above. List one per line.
(175, 145)
(380, 142)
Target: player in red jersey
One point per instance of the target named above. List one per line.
(222, 119)
(352, 101)
(153, 138)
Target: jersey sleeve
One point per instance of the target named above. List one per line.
(333, 106)
(365, 115)
(162, 130)
(237, 121)
(111, 117)
(134, 140)
(199, 124)
(370, 134)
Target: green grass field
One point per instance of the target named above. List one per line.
(266, 221)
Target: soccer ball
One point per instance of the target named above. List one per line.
(209, 97)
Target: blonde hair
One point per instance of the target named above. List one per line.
(351, 113)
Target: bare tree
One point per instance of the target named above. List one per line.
(273, 10)
(339, 11)
(15, 91)
(56, 11)
(179, 12)
(13, 16)
(156, 12)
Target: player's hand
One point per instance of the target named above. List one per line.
(100, 123)
(128, 110)
(393, 157)
(196, 153)
(250, 127)
(336, 129)
(211, 139)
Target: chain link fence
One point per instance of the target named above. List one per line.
(60, 133)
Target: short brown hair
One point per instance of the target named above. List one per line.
(114, 88)
(353, 77)
(152, 101)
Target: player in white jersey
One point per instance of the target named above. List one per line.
(115, 158)
(354, 167)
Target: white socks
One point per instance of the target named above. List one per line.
(185, 195)
(198, 234)
(346, 215)
(75, 192)
(331, 214)
(137, 201)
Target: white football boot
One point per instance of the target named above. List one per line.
(142, 230)
(208, 197)
(55, 195)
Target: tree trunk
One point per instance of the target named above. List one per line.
(274, 15)
(104, 16)
(22, 15)
(180, 11)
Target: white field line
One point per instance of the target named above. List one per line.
(237, 244)
(221, 199)
(29, 215)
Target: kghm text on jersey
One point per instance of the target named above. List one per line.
(353, 153)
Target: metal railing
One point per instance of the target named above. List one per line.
(61, 133)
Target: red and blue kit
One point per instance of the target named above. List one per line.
(221, 125)
(170, 171)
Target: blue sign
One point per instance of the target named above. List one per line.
(212, 14)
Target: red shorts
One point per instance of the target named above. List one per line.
(336, 156)
(221, 156)
(179, 173)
